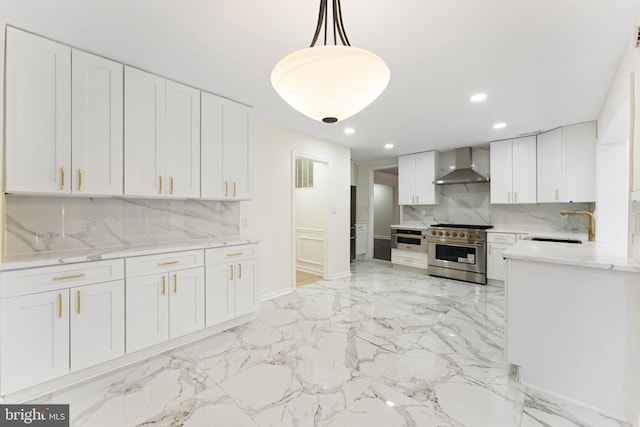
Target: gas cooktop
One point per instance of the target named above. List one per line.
(465, 226)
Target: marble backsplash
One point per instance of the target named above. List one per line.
(470, 204)
(52, 224)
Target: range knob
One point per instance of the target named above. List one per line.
(433, 232)
(462, 235)
(447, 234)
(477, 235)
(455, 234)
(440, 233)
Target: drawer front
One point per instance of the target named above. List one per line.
(231, 253)
(409, 258)
(34, 280)
(162, 263)
(501, 238)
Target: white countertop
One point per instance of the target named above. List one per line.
(591, 255)
(67, 257)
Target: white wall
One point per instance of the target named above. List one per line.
(269, 217)
(310, 214)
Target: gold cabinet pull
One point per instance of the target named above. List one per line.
(175, 283)
(160, 190)
(557, 194)
(509, 196)
(239, 271)
(171, 186)
(515, 195)
(78, 302)
(60, 306)
(160, 264)
(489, 249)
(226, 189)
(79, 179)
(231, 268)
(164, 285)
(62, 178)
(235, 254)
(235, 189)
(75, 276)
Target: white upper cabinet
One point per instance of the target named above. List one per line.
(227, 151)
(144, 133)
(97, 125)
(513, 170)
(38, 114)
(183, 141)
(416, 173)
(566, 164)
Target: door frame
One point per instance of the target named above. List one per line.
(327, 208)
(370, 226)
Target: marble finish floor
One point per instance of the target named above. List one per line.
(383, 348)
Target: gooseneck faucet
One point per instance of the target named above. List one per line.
(592, 222)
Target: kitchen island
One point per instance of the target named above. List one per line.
(573, 323)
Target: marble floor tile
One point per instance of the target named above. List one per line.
(383, 347)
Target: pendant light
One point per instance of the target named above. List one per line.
(330, 82)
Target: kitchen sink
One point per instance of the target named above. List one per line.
(551, 239)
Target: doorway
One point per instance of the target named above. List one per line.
(310, 201)
(384, 210)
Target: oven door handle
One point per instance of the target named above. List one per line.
(410, 236)
(461, 244)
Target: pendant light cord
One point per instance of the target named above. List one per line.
(338, 25)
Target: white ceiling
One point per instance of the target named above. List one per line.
(543, 63)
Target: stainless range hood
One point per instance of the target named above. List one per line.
(463, 173)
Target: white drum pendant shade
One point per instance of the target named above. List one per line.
(330, 83)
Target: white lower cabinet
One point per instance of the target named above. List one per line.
(496, 244)
(232, 282)
(165, 297)
(54, 320)
(410, 258)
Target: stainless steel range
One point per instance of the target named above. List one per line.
(458, 251)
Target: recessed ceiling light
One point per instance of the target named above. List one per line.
(388, 146)
(349, 131)
(500, 125)
(478, 97)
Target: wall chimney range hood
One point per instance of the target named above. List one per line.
(462, 174)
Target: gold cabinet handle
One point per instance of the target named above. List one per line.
(226, 189)
(75, 276)
(489, 249)
(509, 196)
(557, 194)
(78, 302)
(171, 186)
(160, 264)
(239, 271)
(79, 179)
(164, 285)
(235, 254)
(62, 178)
(515, 195)
(160, 190)
(235, 189)
(175, 283)
(60, 306)
(418, 199)
(231, 268)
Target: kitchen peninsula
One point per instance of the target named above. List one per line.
(572, 323)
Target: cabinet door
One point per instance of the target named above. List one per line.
(212, 175)
(524, 170)
(147, 310)
(97, 323)
(183, 141)
(220, 295)
(580, 163)
(425, 172)
(550, 167)
(34, 339)
(237, 153)
(97, 125)
(144, 134)
(406, 179)
(246, 286)
(501, 158)
(495, 262)
(186, 303)
(38, 114)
